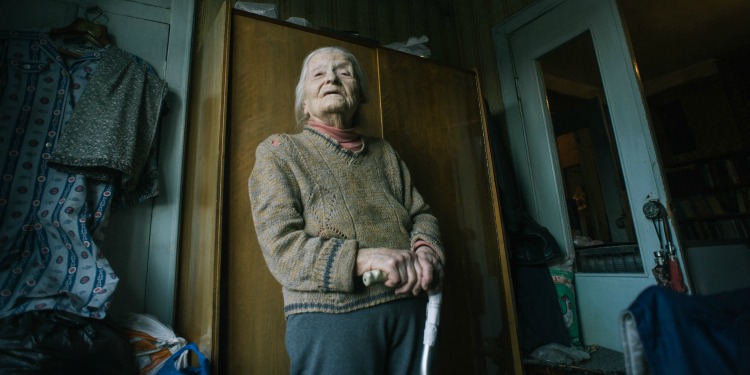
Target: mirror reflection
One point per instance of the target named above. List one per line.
(598, 210)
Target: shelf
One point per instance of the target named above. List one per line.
(711, 197)
(729, 172)
(715, 229)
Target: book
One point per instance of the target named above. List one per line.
(732, 171)
(741, 165)
(714, 205)
(742, 202)
(685, 208)
(701, 205)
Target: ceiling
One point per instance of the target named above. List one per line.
(669, 35)
(667, 38)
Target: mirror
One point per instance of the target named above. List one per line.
(598, 209)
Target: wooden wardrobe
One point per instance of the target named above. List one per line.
(433, 116)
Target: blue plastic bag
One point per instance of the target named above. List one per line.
(170, 367)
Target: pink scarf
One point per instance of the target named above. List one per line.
(347, 138)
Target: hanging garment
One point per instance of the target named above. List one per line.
(62, 169)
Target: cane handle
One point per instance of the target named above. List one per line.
(374, 276)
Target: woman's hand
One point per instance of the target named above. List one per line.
(408, 271)
(399, 265)
(429, 270)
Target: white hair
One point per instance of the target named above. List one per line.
(299, 93)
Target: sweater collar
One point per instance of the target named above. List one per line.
(347, 138)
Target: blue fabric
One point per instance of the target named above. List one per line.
(170, 367)
(696, 334)
(48, 256)
(50, 218)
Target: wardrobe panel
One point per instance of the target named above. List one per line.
(266, 62)
(200, 248)
(432, 115)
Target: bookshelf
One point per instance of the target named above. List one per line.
(702, 125)
(711, 197)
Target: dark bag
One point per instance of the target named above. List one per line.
(533, 244)
(58, 342)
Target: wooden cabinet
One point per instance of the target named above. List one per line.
(433, 116)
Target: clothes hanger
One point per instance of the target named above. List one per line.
(81, 27)
(84, 28)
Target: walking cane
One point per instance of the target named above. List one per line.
(430, 332)
(431, 324)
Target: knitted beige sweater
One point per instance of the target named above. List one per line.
(315, 203)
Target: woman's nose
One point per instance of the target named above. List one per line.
(331, 76)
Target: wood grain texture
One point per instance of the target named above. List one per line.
(459, 30)
(266, 64)
(432, 115)
(198, 291)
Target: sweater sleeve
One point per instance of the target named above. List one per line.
(296, 259)
(424, 225)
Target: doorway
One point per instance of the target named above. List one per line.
(692, 58)
(668, 77)
(568, 79)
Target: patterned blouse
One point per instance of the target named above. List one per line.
(62, 169)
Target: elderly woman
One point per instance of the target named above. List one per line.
(330, 205)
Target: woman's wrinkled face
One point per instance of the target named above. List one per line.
(330, 86)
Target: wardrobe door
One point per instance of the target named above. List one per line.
(432, 115)
(198, 312)
(265, 67)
